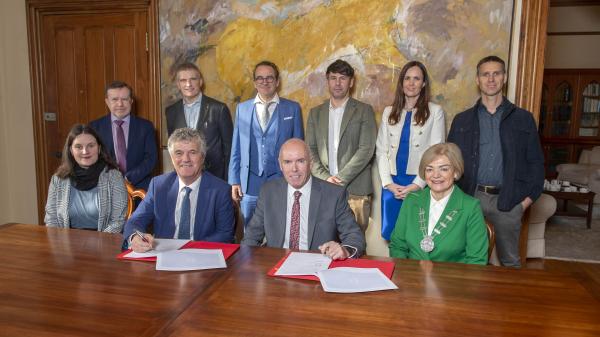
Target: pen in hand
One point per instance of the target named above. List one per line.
(138, 233)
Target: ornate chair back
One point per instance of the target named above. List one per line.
(132, 195)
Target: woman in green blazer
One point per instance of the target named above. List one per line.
(441, 222)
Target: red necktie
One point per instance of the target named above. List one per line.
(295, 223)
(121, 147)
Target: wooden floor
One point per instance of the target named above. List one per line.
(587, 273)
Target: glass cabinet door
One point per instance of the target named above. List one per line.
(562, 110)
(590, 110)
(543, 111)
(556, 154)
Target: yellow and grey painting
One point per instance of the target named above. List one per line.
(226, 38)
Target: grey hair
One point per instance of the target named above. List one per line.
(187, 135)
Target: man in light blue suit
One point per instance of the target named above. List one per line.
(186, 204)
(262, 125)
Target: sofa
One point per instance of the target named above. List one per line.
(585, 172)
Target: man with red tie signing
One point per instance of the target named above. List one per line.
(302, 212)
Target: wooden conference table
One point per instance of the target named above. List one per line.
(57, 282)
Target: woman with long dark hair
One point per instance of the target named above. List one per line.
(409, 127)
(87, 191)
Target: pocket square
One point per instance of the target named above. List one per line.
(286, 118)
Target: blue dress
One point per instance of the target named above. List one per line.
(390, 206)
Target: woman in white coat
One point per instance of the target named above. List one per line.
(408, 128)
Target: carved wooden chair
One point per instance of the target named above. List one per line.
(132, 195)
(491, 237)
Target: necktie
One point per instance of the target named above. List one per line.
(121, 148)
(264, 116)
(184, 219)
(295, 223)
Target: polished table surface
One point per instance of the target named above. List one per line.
(57, 282)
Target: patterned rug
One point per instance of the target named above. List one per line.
(567, 238)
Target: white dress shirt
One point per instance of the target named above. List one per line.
(193, 202)
(260, 106)
(335, 125)
(304, 206)
(192, 112)
(436, 208)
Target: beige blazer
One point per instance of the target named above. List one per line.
(356, 148)
(421, 138)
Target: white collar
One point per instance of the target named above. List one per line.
(341, 107)
(304, 189)
(442, 202)
(193, 186)
(275, 99)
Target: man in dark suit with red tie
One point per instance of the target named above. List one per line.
(205, 114)
(130, 140)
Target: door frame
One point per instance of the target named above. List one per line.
(36, 10)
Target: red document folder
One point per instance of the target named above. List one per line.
(228, 249)
(386, 267)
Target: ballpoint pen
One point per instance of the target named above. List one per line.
(138, 233)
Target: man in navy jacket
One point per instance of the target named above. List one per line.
(187, 204)
(140, 153)
(504, 162)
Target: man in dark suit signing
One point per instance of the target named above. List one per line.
(302, 212)
(207, 115)
(130, 140)
(187, 204)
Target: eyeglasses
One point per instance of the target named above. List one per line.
(268, 79)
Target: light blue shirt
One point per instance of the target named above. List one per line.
(192, 112)
(84, 208)
(195, 186)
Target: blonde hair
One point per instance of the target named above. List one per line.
(450, 151)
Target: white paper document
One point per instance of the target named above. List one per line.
(160, 245)
(190, 259)
(303, 264)
(354, 280)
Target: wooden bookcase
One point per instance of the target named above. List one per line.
(569, 115)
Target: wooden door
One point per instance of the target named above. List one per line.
(81, 54)
(76, 50)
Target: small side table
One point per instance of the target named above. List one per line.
(575, 196)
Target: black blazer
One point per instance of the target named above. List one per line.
(215, 124)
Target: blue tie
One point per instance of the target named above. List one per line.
(184, 220)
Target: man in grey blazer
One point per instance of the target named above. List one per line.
(341, 134)
(302, 212)
(205, 114)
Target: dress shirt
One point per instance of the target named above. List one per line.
(335, 125)
(436, 208)
(193, 202)
(490, 171)
(260, 106)
(192, 112)
(304, 205)
(125, 126)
